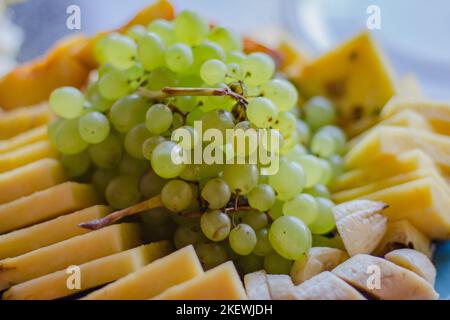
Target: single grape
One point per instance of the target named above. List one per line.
(158, 118)
(114, 85)
(289, 142)
(263, 246)
(217, 119)
(122, 191)
(179, 57)
(323, 144)
(312, 168)
(241, 178)
(303, 132)
(288, 181)
(303, 206)
(134, 140)
(128, 112)
(151, 184)
(186, 136)
(94, 127)
(226, 38)
(176, 195)
(262, 112)
(150, 144)
(186, 104)
(327, 172)
(250, 263)
(337, 165)
(201, 172)
(120, 51)
(106, 154)
(76, 165)
(234, 71)
(254, 219)
(319, 112)
(286, 123)
(215, 225)
(98, 102)
(188, 235)
(190, 28)
(338, 135)
(166, 160)
(132, 166)
(296, 153)
(276, 264)
(258, 68)
(161, 77)
(319, 190)
(281, 92)
(262, 197)
(211, 254)
(135, 32)
(68, 138)
(277, 210)
(151, 51)
(237, 57)
(101, 179)
(164, 29)
(242, 239)
(290, 237)
(205, 51)
(216, 193)
(325, 221)
(213, 71)
(67, 102)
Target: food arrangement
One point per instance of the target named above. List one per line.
(88, 175)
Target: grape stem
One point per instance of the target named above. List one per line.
(169, 92)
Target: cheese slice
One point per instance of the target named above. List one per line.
(75, 251)
(92, 274)
(45, 205)
(27, 137)
(153, 279)
(30, 178)
(41, 235)
(256, 286)
(280, 286)
(219, 283)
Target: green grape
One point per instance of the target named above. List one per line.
(262, 112)
(76, 165)
(241, 178)
(188, 235)
(176, 195)
(237, 57)
(325, 221)
(303, 132)
(255, 219)
(313, 169)
(288, 181)
(53, 129)
(213, 71)
(234, 71)
(216, 193)
(217, 119)
(134, 140)
(327, 172)
(179, 57)
(286, 123)
(211, 254)
(303, 206)
(68, 138)
(250, 263)
(160, 78)
(114, 85)
(106, 154)
(290, 237)
(67, 102)
(263, 246)
(226, 38)
(323, 144)
(177, 122)
(128, 112)
(132, 166)
(200, 172)
(281, 92)
(319, 112)
(120, 51)
(276, 264)
(151, 52)
(156, 217)
(150, 144)
(215, 225)
(289, 142)
(187, 137)
(319, 190)
(277, 210)
(337, 165)
(296, 153)
(164, 29)
(101, 179)
(262, 197)
(123, 192)
(205, 51)
(151, 184)
(135, 32)
(272, 141)
(195, 115)
(136, 76)
(104, 69)
(166, 160)
(100, 48)
(158, 118)
(190, 28)
(94, 127)
(242, 239)
(186, 104)
(217, 102)
(98, 102)
(338, 136)
(258, 68)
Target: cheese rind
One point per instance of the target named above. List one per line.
(154, 278)
(46, 204)
(74, 251)
(43, 234)
(23, 139)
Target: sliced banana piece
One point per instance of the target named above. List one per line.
(326, 286)
(347, 208)
(384, 279)
(256, 286)
(319, 259)
(415, 261)
(280, 287)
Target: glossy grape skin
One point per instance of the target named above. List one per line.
(262, 197)
(319, 112)
(128, 112)
(68, 139)
(288, 181)
(151, 51)
(190, 28)
(216, 225)
(241, 178)
(107, 154)
(176, 195)
(304, 207)
(263, 246)
(282, 93)
(164, 29)
(114, 85)
(325, 221)
(179, 57)
(242, 239)
(94, 127)
(67, 102)
(276, 264)
(162, 162)
(216, 193)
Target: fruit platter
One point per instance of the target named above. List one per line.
(173, 159)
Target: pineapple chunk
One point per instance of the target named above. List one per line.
(23, 139)
(45, 205)
(78, 250)
(30, 178)
(153, 279)
(93, 274)
(41, 235)
(219, 283)
(27, 154)
(20, 120)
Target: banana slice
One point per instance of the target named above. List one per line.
(402, 234)
(384, 279)
(415, 261)
(280, 287)
(347, 208)
(326, 286)
(319, 259)
(256, 286)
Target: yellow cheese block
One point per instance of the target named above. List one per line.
(45, 205)
(23, 119)
(27, 154)
(30, 178)
(92, 274)
(43, 234)
(405, 162)
(423, 202)
(74, 251)
(220, 283)
(385, 143)
(359, 192)
(153, 279)
(22, 139)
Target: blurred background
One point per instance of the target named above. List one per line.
(414, 33)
